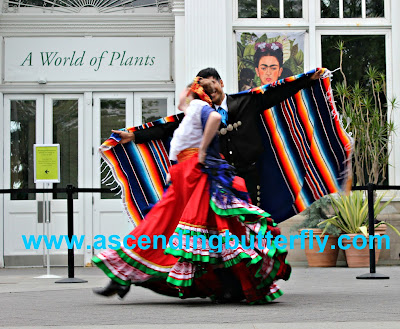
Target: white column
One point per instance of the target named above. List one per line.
(205, 36)
(2, 64)
(1, 183)
(178, 9)
(312, 39)
(394, 170)
(2, 174)
(87, 211)
(230, 76)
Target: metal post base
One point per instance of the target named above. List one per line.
(71, 280)
(373, 276)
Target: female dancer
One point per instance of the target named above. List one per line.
(216, 236)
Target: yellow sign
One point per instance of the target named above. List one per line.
(47, 162)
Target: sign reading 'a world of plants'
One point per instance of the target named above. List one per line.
(87, 59)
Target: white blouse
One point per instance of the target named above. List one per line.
(190, 131)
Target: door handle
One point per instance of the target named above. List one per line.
(41, 213)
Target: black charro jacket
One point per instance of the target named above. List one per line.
(241, 146)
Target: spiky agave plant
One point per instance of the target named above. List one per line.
(352, 213)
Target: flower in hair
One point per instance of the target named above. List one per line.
(274, 46)
(263, 46)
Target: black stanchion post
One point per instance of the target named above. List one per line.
(70, 211)
(371, 227)
(371, 231)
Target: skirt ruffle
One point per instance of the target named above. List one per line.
(211, 229)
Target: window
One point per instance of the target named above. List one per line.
(112, 116)
(23, 132)
(247, 8)
(329, 8)
(375, 8)
(361, 52)
(361, 99)
(153, 109)
(65, 133)
(352, 8)
(77, 6)
(270, 8)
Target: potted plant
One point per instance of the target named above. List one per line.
(352, 219)
(368, 115)
(313, 216)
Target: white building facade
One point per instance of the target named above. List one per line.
(73, 70)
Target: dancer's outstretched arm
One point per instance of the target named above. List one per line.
(149, 134)
(279, 93)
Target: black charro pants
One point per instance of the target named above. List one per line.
(251, 176)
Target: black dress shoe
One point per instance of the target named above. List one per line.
(231, 287)
(111, 289)
(229, 297)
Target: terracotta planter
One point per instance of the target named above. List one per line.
(355, 257)
(328, 257)
(381, 229)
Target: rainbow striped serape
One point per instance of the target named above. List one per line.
(139, 169)
(307, 151)
(307, 155)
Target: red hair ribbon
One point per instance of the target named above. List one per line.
(199, 90)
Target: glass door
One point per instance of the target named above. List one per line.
(151, 106)
(29, 120)
(23, 127)
(115, 111)
(110, 111)
(63, 124)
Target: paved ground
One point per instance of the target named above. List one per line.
(314, 297)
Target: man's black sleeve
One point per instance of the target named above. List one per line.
(155, 132)
(277, 94)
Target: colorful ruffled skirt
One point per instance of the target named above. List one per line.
(201, 235)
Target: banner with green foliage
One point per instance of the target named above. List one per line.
(293, 54)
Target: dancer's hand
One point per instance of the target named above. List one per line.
(168, 178)
(126, 137)
(202, 156)
(317, 75)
